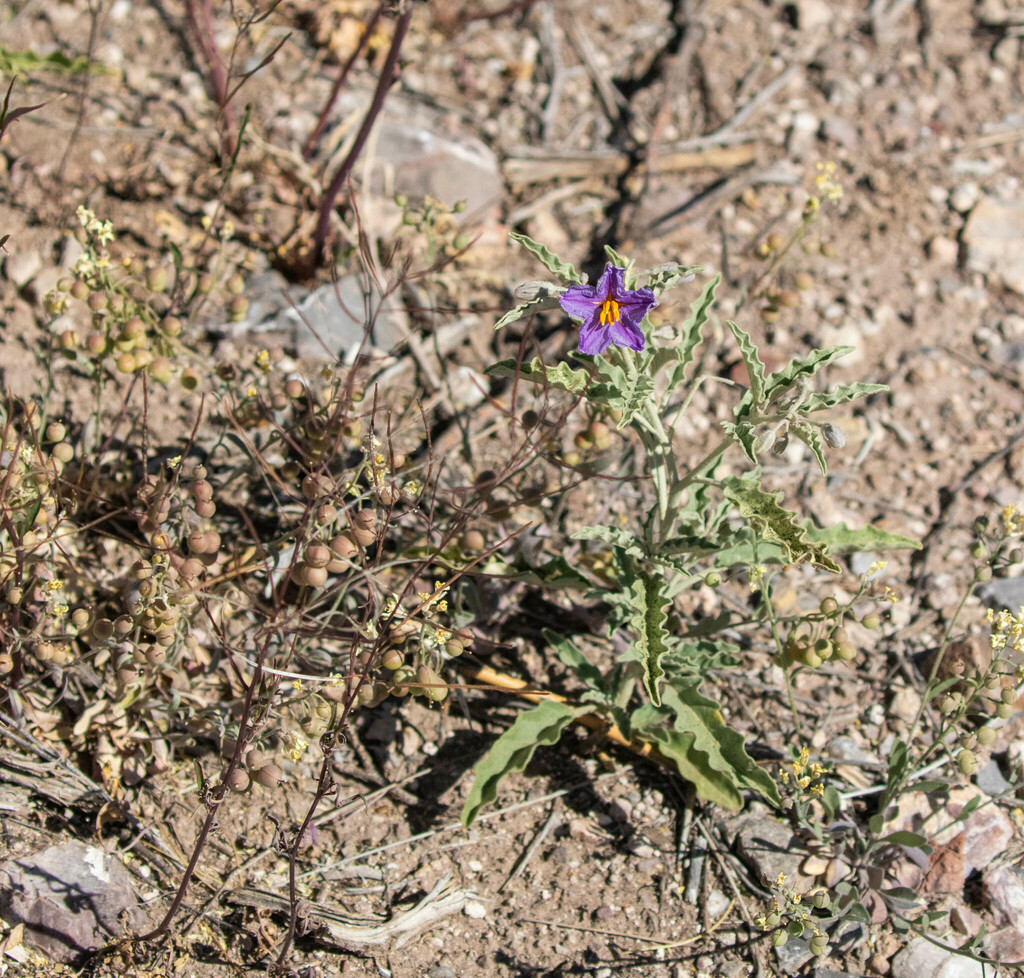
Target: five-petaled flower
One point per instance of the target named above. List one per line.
(610, 312)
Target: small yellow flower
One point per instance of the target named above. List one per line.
(891, 595)
(296, 684)
(780, 879)
(818, 790)
(173, 463)
(206, 222)
(876, 567)
(55, 585)
(263, 361)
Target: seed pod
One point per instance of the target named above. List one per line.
(472, 541)
(781, 444)
(986, 735)
(315, 576)
(779, 938)
(364, 526)
(256, 758)
(967, 762)
(388, 494)
(829, 606)
(432, 687)
(206, 510)
(269, 775)
(238, 781)
(392, 659)
(871, 621)
(317, 555)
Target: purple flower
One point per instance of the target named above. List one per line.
(611, 313)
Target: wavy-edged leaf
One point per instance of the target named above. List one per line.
(664, 277)
(626, 264)
(694, 766)
(556, 572)
(562, 377)
(776, 525)
(695, 713)
(743, 432)
(511, 752)
(840, 395)
(524, 309)
(810, 437)
(695, 658)
(646, 606)
(682, 354)
(632, 398)
(797, 369)
(751, 360)
(614, 537)
(563, 269)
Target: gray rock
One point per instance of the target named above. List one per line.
(22, 264)
(1004, 887)
(921, 959)
(332, 320)
(836, 129)
(994, 237)
(793, 955)
(990, 779)
(416, 152)
(71, 898)
(1006, 594)
(964, 196)
(769, 847)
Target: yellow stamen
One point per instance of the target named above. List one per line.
(609, 312)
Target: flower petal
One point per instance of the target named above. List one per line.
(580, 302)
(612, 283)
(627, 333)
(595, 339)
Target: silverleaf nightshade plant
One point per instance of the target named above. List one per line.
(698, 527)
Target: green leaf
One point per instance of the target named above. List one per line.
(796, 370)
(543, 725)
(831, 802)
(562, 377)
(775, 524)
(809, 436)
(624, 263)
(682, 354)
(840, 539)
(21, 63)
(693, 765)
(663, 278)
(556, 572)
(743, 432)
(631, 398)
(524, 309)
(752, 361)
(614, 537)
(701, 719)
(574, 659)
(901, 897)
(928, 786)
(840, 395)
(563, 269)
(899, 765)
(695, 659)
(647, 617)
(904, 838)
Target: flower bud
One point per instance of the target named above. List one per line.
(833, 435)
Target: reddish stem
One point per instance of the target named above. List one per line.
(387, 74)
(321, 122)
(200, 19)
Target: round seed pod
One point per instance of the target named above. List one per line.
(294, 389)
(269, 775)
(967, 762)
(238, 781)
(985, 736)
(55, 431)
(206, 510)
(392, 659)
(325, 514)
(846, 651)
(256, 758)
(435, 692)
(828, 606)
(189, 379)
(316, 485)
(317, 555)
(6, 663)
(14, 595)
(343, 546)
(126, 363)
(123, 625)
(102, 629)
(388, 494)
(171, 326)
(201, 490)
(364, 526)
(63, 452)
(871, 621)
(472, 541)
(315, 576)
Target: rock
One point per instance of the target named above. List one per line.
(466, 387)
(905, 703)
(793, 955)
(943, 250)
(802, 134)
(1004, 887)
(416, 152)
(71, 899)
(964, 196)
(1005, 594)
(812, 14)
(769, 847)
(994, 239)
(836, 129)
(990, 779)
(921, 959)
(475, 910)
(22, 263)
(1005, 944)
(332, 320)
